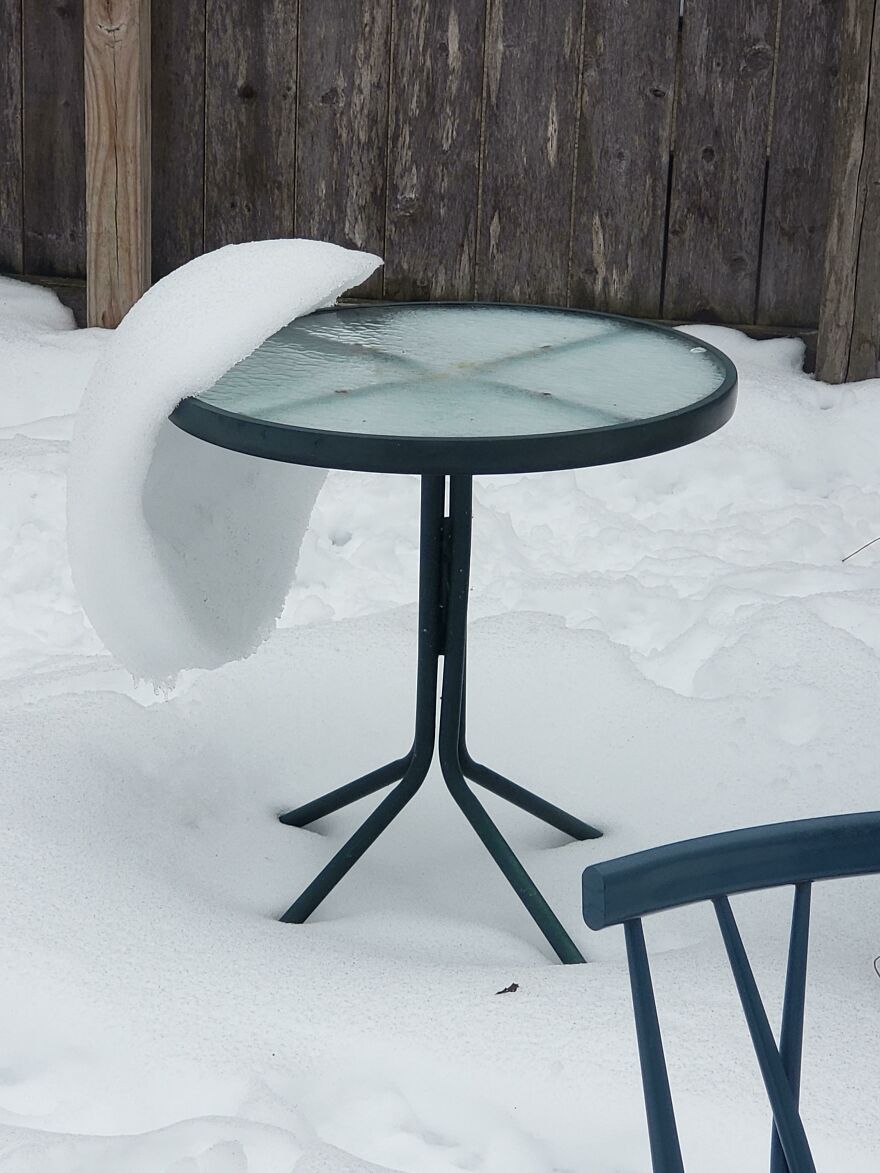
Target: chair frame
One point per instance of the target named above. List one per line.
(713, 868)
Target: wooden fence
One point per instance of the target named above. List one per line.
(615, 154)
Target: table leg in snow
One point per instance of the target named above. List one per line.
(444, 573)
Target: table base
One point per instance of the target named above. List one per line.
(444, 572)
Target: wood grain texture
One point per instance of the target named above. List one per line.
(849, 321)
(864, 351)
(11, 239)
(117, 102)
(178, 139)
(796, 208)
(434, 149)
(54, 138)
(720, 157)
(250, 131)
(468, 205)
(531, 100)
(623, 156)
(342, 120)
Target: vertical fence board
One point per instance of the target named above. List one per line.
(178, 150)
(532, 66)
(865, 345)
(434, 143)
(250, 131)
(623, 155)
(720, 156)
(54, 138)
(342, 124)
(849, 322)
(864, 354)
(10, 137)
(796, 212)
(117, 104)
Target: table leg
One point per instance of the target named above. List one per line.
(444, 572)
(515, 794)
(335, 800)
(510, 791)
(451, 727)
(411, 769)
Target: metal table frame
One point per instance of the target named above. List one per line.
(444, 573)
(447, 464)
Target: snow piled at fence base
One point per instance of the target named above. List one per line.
(183, 553)
(668, 647)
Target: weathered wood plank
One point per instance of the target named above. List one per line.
(342, 124)
(433, 184)
(849, 322)
(864, 354)
(54, 138)
(796, 208)
(532, 67)
(117, 102)
(623, 156)
(719, 162)
(178, 146)
(10, 137)
(250, 134)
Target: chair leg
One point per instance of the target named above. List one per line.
(791, 1035)
(662, 1128)
(786, 1118)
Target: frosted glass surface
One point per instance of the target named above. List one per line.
(465, 371)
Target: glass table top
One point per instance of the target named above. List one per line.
(461, 388)
(458, 371)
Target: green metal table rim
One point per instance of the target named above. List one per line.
(470, 455)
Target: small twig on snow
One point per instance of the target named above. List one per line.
(871, 543)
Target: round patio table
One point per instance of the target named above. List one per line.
(447, 391)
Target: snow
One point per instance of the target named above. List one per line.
(182, 553)
(668, 647)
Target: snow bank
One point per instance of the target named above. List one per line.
(329, 1159)
(182, 553)
(45, 362)
(207, 1145)
(668, 647)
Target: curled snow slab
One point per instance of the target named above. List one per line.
(182, 553)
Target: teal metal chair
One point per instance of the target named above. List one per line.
(713, 868)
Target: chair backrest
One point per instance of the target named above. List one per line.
(622, 891)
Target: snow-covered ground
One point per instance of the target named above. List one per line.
(667, 647)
